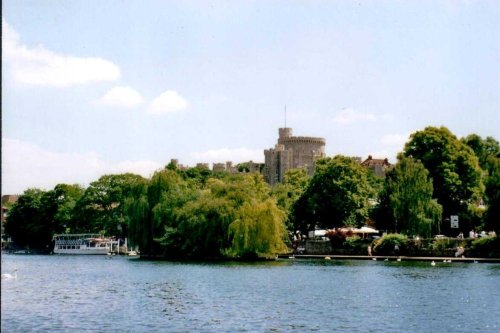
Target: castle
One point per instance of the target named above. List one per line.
(292, 152)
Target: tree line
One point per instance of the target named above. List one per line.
(198, 213)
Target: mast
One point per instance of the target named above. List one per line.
(285, 115)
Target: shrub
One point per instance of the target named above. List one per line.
(354, 243)
(442, 244)
(386, 244)
(338, 236)
(486, 247)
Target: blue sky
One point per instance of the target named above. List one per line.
(97, 87)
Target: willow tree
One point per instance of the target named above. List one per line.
(258, 231)
(408, 190)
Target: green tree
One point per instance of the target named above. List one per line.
(493, 198)
(453, 167)
(487, 150)
(408, 190)
(58, 207)
(338, 194)
(258, 231)
(166, 193)
(26, 223)
(289, 191)
(101, 208)
(200, 227)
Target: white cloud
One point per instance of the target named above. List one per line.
(25, 165)
(394, 140)
(349, 115)
(42, 67)
(236, 155)
(123, 97)
(169, 101)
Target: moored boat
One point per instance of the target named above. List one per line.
(82, 244)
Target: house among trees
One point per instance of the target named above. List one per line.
(377, 166)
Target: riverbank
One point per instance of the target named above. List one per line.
(389, 258)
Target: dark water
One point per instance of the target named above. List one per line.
(99, 294)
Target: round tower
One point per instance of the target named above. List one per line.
(284, 133)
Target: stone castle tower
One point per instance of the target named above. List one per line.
(292, 152)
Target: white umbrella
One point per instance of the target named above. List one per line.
(365, 230)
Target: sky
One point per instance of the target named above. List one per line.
(98, 87)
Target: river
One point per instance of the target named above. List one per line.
(118, 294)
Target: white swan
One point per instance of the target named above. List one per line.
(7, 276)
(433, 263)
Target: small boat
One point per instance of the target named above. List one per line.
(132, 253)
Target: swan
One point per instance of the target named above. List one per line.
(433, 263)
(328, 258)
(399, 259)
(7, 276)
(375, 259)
(386, 259)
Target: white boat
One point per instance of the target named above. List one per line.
(82, 244)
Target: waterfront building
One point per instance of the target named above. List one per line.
(292, 152)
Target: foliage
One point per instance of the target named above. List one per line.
(233, 216)
(25, 222)
(258, 232)
(441, 244)
(492, 191)
(59, 205)
(408, 198)
(486, 247)
(337, 193)
(38, 215)
(338, 236)
(289, 191)
(386, 244)
(486, 150)
(452, 165)
(355, 243)
(101, 208)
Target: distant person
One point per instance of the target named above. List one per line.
(460, 251)
(370, 250)
(460, 235)
(472, 234)
(396, 249)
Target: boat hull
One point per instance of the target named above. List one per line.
(82, 251)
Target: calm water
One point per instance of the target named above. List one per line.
(104, 294)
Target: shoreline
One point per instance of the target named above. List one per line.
(389, 258)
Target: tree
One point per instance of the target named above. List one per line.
(487, 150)
(26, 223)
(408, 192)
(204, 225)
(492, 221)
(337, 195)
(453, 167)
(289, 191)
(59, 205)
(258, 231)
(101, 208)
